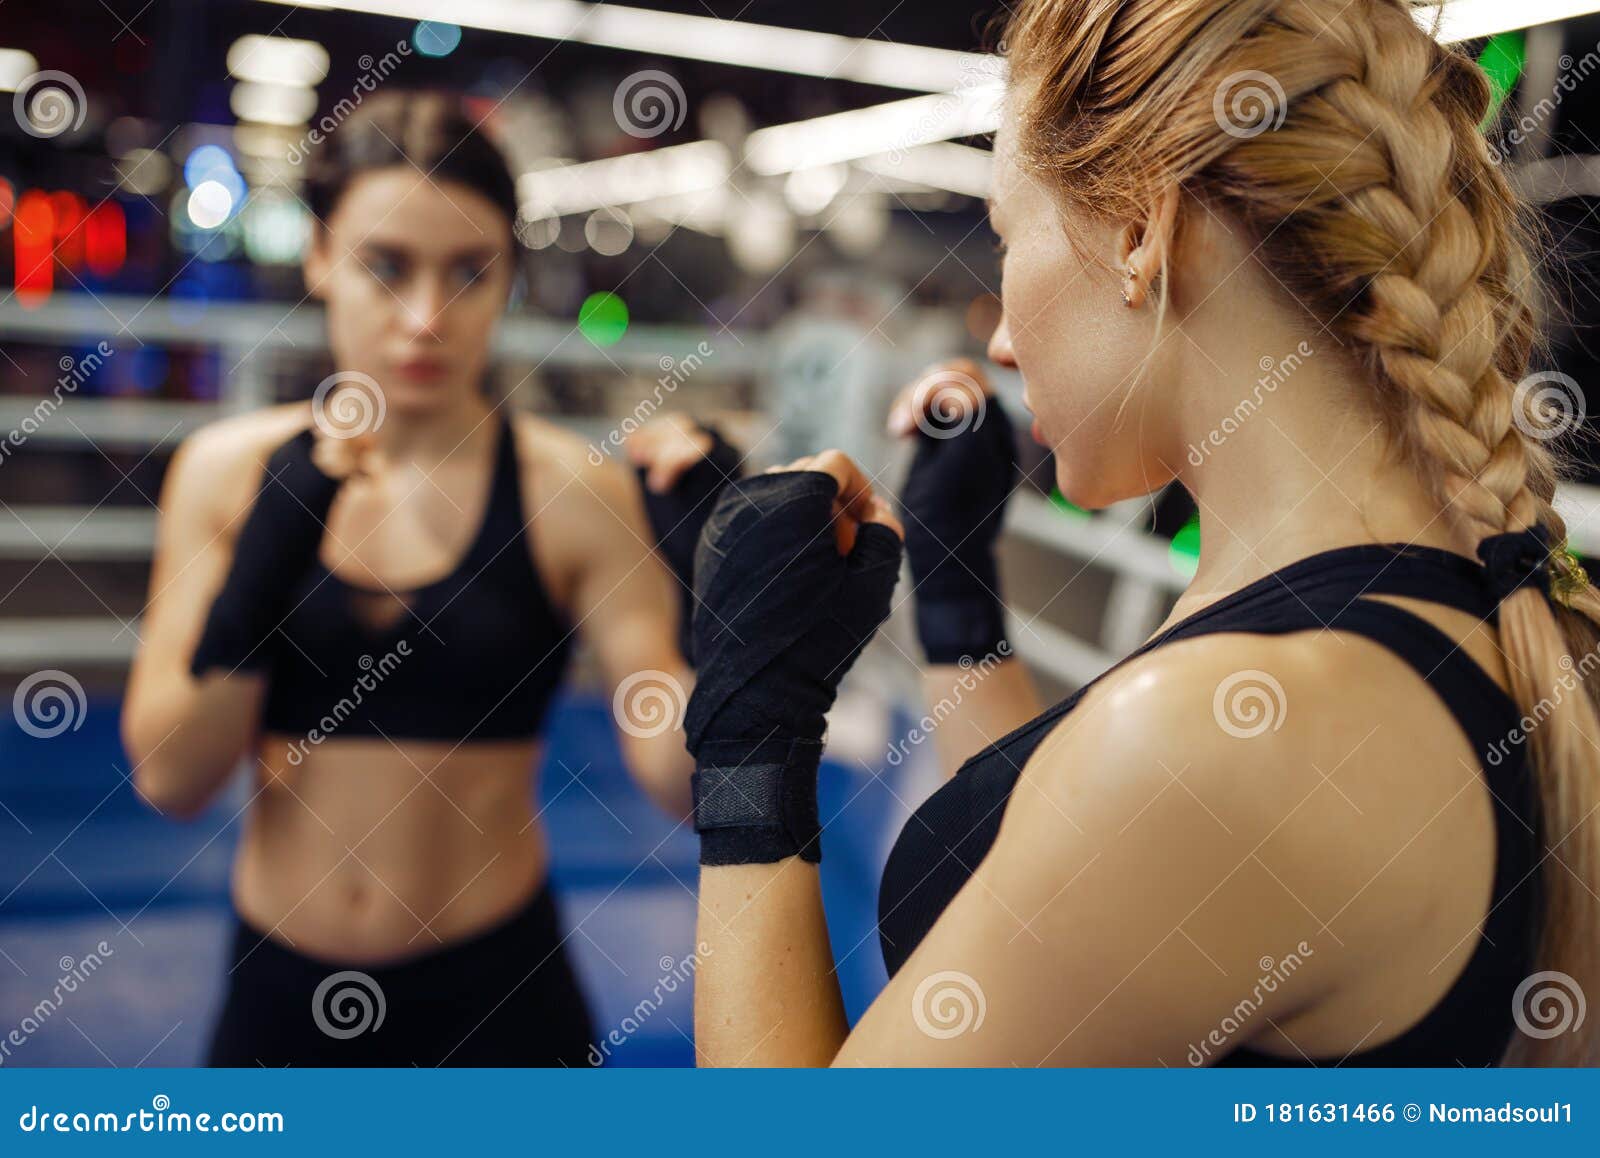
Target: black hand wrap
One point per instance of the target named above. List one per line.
(780, 617)
(954, 502)
(276, 546)
(677, 516)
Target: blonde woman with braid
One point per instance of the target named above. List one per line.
(1308, 822)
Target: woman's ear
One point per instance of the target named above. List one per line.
(1145, 246)
(317, 262)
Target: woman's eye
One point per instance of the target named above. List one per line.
(386, 269)
(470, 273)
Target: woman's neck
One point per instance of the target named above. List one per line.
(431, 436)
(1304, 472)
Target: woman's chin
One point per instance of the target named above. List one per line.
(414, 398)
(1081, 490)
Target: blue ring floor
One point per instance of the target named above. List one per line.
(83, 860)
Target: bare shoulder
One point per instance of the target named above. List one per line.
(1319, 755)
(569, 479)
(218, 468)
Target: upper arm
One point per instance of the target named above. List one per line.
(1141, 899)
(620, 594)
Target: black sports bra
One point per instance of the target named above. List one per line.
(475, 656)
(1471, 1025)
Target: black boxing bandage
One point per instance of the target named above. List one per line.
(276, 546)
(677, 516)
(780, 616)
(954, 503)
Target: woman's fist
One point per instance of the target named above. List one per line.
(954, 498)
(856, 503)
(947, 399)
(664, 448)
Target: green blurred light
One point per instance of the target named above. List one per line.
(1061, 501)
(1184, 554)
(1502, 62)
(603, 318)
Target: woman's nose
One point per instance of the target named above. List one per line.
(424, 304)
(1000, 352)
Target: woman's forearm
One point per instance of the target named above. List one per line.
(186, 742)
(765, 990)
(970, 707)
(661, 767)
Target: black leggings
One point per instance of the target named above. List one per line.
(506, 996)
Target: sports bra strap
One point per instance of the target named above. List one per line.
(502, 522)
(1412, 571)
(1480, 706)
(1331, 591)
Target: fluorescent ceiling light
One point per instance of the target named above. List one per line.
(651, 33)
(887, 128)
(1474, 19)
(908, 139)
(792, 50)
(941, 165)
(669, 172)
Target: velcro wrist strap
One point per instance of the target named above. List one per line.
(756, 802)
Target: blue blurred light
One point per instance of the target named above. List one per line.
(209, 163)
(149, 368)
(436, 38)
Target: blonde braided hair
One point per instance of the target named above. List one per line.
(1376, 203)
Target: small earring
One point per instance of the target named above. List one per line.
(1127, 299)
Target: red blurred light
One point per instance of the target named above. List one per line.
(33, 236)
(69, 211)
(106, 238)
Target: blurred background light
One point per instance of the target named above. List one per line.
(435, 38)
(603, 318)
(278, 60)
